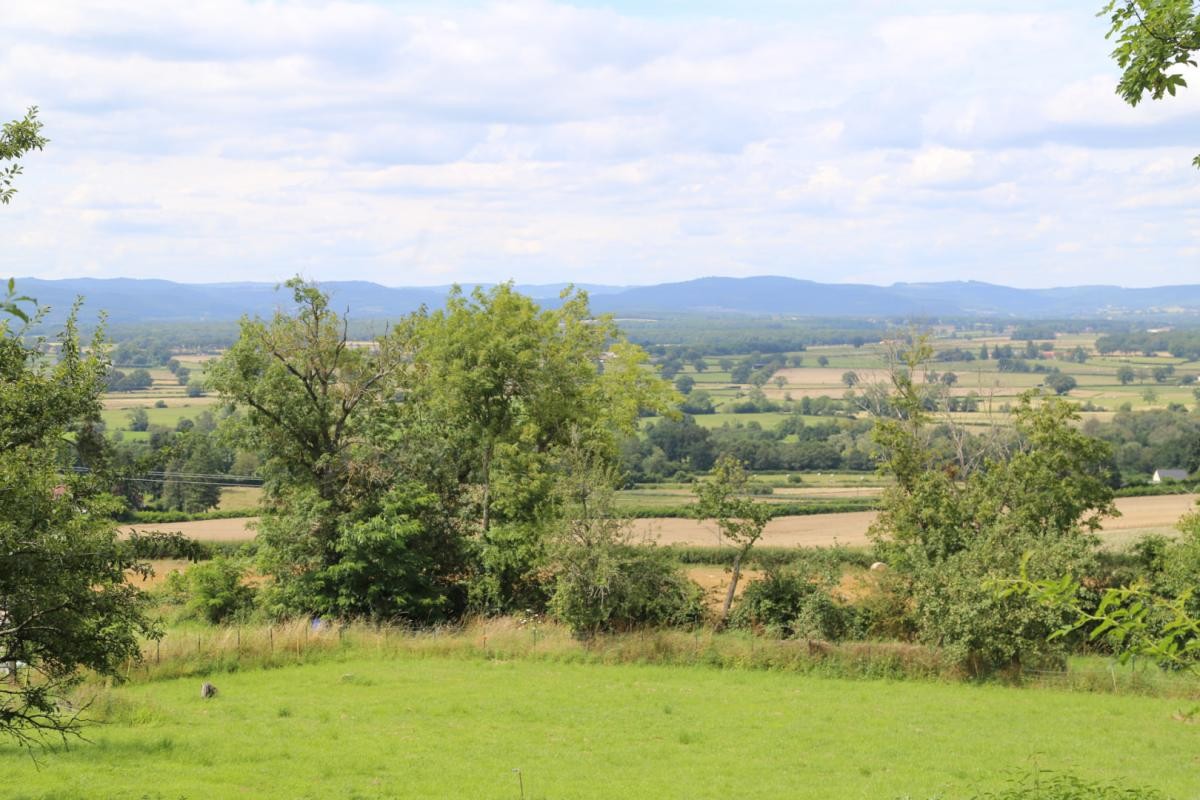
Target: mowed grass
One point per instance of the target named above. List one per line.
(457, 728)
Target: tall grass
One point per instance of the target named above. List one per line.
(200, 651)
(206, 651)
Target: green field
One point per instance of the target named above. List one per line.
(118, 418)
(1097, 382)
(458, 728)
(769, 419)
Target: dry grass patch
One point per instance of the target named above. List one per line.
(715, 583)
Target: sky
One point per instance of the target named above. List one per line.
(618, 143)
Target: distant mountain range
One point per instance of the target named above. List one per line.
(128, 300)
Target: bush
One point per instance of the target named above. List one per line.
(886, 612)
(979, 629)
(213, 590)
(1180, 562)
(767, 557)
(512, 575)
(167, 517)
(644, 587)
(654, 591)
(796, 602)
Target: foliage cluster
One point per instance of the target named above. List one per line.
(672, 448)
(213, 591)
(950, 524)
(118, 381)
(1183, 343)
(421, 474)
(1143, 441)
(65, 604)
(796, 601)
(689, 337)
(172, 474)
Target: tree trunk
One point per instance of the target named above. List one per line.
(487, 486)
(733, 582)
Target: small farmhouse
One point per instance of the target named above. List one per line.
(1161, 475)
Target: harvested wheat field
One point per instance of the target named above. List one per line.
(208, 530)
(715, 583)
(813, 530)
(1139, 515)
(161, 568)
(829, 377)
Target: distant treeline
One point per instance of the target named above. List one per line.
(1143, 441)
(1179, 343)
(726, 335)
(153, 344)
(674, 448)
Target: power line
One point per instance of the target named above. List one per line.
(188, 478)
(188, 483)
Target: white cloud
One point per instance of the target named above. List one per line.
(935, 166)
(410, 144)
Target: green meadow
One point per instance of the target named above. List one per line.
(364, 726)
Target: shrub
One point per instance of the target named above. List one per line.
(767, 557)
(654, 591)
(980, 630)
(886, 612)
(821, 617)
(214, 590)
(795, 601)
(512, 575)
(643, 586)
(1180, 563)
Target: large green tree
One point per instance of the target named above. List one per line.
(516, 383)
(65, 603)
(522, 380)
(388, 463)
(345, 532)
